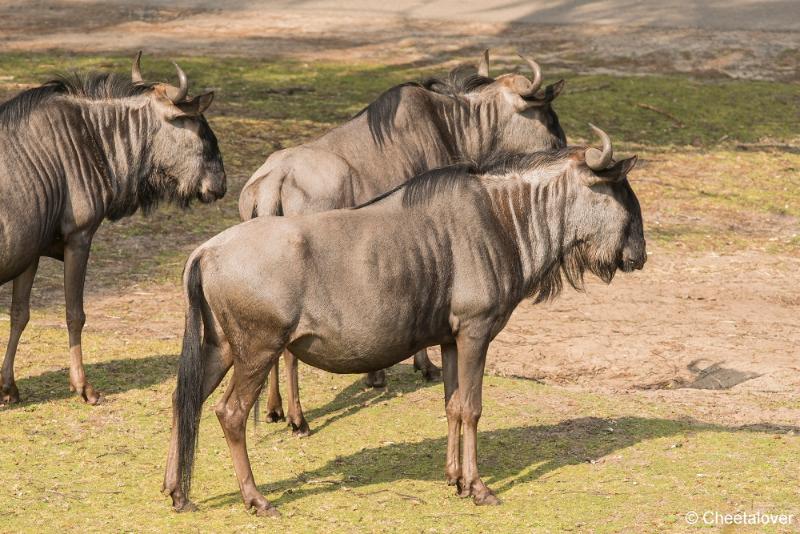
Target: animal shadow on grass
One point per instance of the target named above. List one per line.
(115, 376)
(508, 456)
(400, 380)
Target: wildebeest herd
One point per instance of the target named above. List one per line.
(424, 220)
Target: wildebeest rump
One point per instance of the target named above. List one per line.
(81, 149)
(408, 130)
(443, 259)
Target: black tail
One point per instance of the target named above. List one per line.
(189, 395)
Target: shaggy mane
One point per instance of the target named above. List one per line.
(92, 86)
(461, 80)
(382, 111)
(425, 186)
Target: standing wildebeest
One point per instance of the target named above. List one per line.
(81, 149)
(408, 130)
(443, 259)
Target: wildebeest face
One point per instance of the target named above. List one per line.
(609, 219)
(528, 107)
(186, 157)
(186, 151)
(538, 117)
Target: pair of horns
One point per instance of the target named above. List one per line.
(183, 82)
(534, 84)
(598, 160)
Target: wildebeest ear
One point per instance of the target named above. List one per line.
(549, 94)
(618, 171)
(196, 105)
(552, 91)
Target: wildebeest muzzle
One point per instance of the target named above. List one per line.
(634, 255)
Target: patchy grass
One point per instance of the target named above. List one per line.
(560, 459)
(646, 110)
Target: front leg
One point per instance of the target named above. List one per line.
(452, 407)
(76, 256)
(471, 362)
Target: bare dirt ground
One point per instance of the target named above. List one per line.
(299, 30)
(681, 327)
(688, 322)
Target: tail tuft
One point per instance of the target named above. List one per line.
(189, 394)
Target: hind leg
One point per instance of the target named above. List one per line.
(232, 411)
(425, 365)
(216, 362)
(296, 418)
(274, 401)
(20, 314)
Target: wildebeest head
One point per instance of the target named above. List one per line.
(186, 156)
(528, 106)
(607, 218)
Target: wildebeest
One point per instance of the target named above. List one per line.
(84, 148)
(443, 259)
(409, 129)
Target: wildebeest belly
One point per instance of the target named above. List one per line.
(355, 354)
(22, 237)
(30, 210)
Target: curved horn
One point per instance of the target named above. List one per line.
(536, 82)
(183, 86)
(136, 69)
(483, 64)
(598, 160)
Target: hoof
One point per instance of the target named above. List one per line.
(261, 507)
(87, 393)
(273, 416)
(300, 431)
(487, 499)
(376, 380)
(269, 511)
(432, 374)
(452, 481)
(184, 506)
(480, 493)
(9, 395)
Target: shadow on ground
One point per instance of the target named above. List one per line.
(508, 456)
(109, 378)
(714, 376)
(401, 380)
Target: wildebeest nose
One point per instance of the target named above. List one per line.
(640, 261)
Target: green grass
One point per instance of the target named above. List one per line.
(704, 111)
(560, 459)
